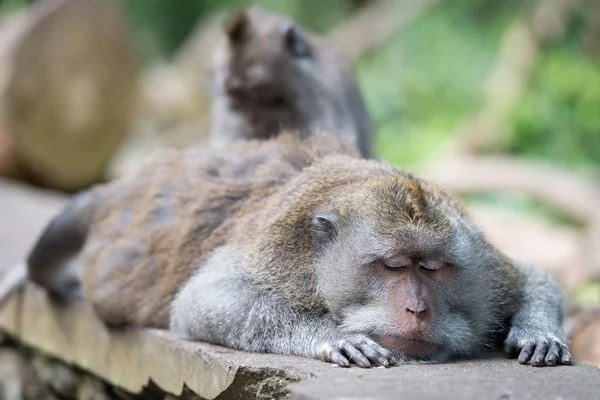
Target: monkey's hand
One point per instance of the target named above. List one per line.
(358, 348)
(537, 347)
(536, 334)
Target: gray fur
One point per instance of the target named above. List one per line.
(536, 329)
(223, 305)
(52, 262)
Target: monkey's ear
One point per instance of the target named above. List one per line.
(324, 228)
(237, 25)
(294, 42)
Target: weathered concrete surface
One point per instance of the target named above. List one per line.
(496, 378)
(131, 358)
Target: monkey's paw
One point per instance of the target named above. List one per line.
(360, 349)
(537, 348)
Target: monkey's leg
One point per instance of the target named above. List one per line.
(536, 332)
(222, 305)
(50, 263)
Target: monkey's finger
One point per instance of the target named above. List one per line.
(338, 358)
(537, 360)
(511, 349)
(329, 353)
(553, 354)
(372, 354)
(355, 354)
(526, 352)
(565, 358)
(383, 351)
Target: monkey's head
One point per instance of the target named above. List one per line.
(261, 70)
(397, 259)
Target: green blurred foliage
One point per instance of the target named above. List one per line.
(587, 295)
(559, 116)
(162, 25)
(9, 6)
(427, 78)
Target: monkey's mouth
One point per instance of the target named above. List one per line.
(256, 103)
(408, 346)
(265, 116)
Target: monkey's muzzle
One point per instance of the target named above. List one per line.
(411, 348)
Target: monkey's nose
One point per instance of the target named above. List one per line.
(233, 85)
(419, 311)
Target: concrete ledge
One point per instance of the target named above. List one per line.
(132, 359)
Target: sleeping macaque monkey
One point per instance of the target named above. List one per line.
(298, 246)
(269, 74)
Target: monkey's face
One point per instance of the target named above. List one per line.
(260, 69)
(407, 272)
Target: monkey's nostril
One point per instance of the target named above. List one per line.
(233, 84)
(418, 312)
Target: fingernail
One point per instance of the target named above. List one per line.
(383, 362)
(539, 359)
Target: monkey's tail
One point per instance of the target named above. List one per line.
(12, 280)
(49, 262)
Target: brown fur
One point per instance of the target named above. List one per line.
(150, 231)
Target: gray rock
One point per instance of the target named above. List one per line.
(11, 380)
(90, 388)
(18, 379)
(62, 379)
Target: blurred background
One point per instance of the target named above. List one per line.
(498, 101)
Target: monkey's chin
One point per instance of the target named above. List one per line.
(407, 348)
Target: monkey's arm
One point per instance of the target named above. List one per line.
(222, 305)
(536, 330)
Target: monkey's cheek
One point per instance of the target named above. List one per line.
(409, 349)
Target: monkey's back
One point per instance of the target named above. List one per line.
(150, 231)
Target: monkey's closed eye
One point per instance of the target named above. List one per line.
(431, 265)
(324, 222)
(397, 262)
